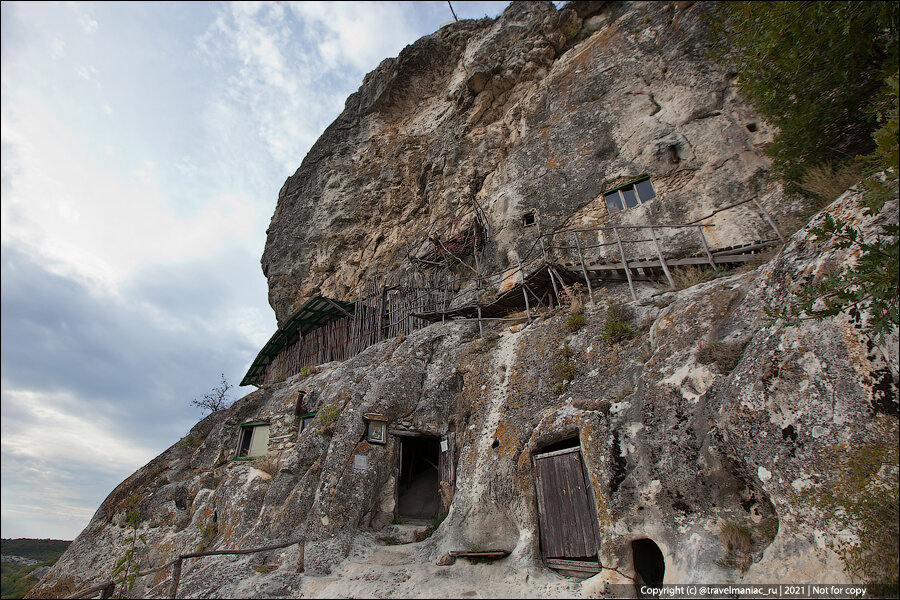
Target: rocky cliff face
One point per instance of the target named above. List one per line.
(706, 418)
(539, 111)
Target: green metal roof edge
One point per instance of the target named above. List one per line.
(626, 184)
(294, 323)
(254, 423)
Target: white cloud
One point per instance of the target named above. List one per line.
(107, 108)
(88, 24)
(57, 48)
(52, 432)
(85, 72)
(293, 69)
(70, 208)
(355, 34)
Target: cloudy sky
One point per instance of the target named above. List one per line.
(143, 147)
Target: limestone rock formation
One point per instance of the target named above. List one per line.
(705, 416)
(539, 111)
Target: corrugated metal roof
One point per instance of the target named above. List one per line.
(317, 311)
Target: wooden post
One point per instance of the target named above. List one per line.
(478, 283)
(709, 256)
(769, 219)
(176, 575)
(544, 258)
(662, 260)
(555, 290)
(587, 279)
(301, 551)
(524, 292)
(625, 263)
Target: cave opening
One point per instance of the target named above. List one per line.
(418, 486)
(649, 564)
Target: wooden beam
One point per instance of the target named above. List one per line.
(662, 260)
(625, 264)
(524, 292)
(768, 218)
(587, 279)
(712, 261)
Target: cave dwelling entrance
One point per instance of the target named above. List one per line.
(649, 564)
(423, 463)
(567, 516)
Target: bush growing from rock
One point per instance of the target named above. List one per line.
(725, 355)
(574, 323)
(618, 324)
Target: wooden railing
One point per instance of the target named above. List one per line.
(107, 588)
(389, 305)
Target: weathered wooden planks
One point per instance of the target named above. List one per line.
(566, 513)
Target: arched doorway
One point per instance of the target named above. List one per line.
(649, 564)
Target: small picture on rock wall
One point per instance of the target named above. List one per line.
(377, 432)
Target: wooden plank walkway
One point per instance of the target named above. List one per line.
(653, 269)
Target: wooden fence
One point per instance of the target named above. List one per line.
(393, 305)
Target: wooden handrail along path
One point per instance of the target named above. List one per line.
(108, 587)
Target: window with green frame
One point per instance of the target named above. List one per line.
(253, 441)
(306, 419)
(629, 195)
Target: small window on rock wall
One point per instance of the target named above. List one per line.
(298, 405)
(306, 419)
(629, 196)
(253, 441)
(528, 219)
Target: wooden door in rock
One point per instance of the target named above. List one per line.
(567, 515)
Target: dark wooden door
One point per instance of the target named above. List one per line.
(568, 517)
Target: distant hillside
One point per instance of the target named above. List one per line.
(39, 550)
(16, 578)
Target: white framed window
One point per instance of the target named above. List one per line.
(629, 195)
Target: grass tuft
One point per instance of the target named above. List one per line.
(725, 355)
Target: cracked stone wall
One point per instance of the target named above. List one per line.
(540, 110)
(676, 448)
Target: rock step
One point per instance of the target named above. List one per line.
(405, 533)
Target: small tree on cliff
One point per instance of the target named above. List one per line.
(216, 399)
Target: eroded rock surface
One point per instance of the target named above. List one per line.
(540, 109)
(674, 448)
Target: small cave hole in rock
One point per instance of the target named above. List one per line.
(674, 158)
(789, 433)
(620, 465)
(528, 219)
(572, 442)
(496, 444)
(418, 491)
(752, 127)
(649, 564)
